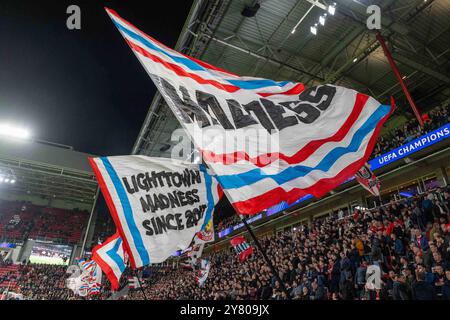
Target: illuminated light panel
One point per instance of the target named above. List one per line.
(15, 132)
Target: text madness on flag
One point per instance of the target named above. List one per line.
(321, 135)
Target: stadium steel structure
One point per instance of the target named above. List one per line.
(47, 170)
(344, 51)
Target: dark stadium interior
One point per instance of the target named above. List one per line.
(84, 94)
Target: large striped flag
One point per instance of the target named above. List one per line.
(157, 204)
(266, 141)
(110, 257)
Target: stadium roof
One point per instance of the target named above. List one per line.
(46, 170)
(343, 52)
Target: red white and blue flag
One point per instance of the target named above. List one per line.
(266, 141)
(202, 273)
(88, 280)
(110, 256)
(157, 204)
(368, 180)
(133, 282)
(242, 248)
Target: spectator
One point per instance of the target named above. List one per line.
(400, 289)
(422, 290)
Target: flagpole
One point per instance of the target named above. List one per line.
(263, 253)
(258, 245)
(83, 247)
(140, 285)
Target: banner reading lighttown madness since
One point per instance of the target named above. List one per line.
(157, 204)
(267, 141)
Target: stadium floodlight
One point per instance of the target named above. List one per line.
(314, 30)
(7, 180)
(1, 179)
(332, 9)
(322, 19)
(14, 132)
(12, 181)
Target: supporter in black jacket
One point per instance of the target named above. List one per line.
(400, 290)
(422, 290)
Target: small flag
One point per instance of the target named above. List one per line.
(368, 180)
(87, 283)
(242, 248)
(133, 283)
(203, 272)
(110, 257)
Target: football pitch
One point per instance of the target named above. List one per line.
(47, 260)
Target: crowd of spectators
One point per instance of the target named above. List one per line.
(411, 130)
(408, 240)
(328, 259)
(227, 222)
(21, 220)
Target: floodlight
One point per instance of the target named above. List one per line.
(13, 131)
(332, 9)
(322, 20)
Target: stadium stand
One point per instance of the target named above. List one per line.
(334, 248)
(408, 239)
(9, 275)
(104, 227)
(324, 258)
(328, 260)
(436, 118)
(38, 222)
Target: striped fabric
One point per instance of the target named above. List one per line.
(323, 135)
(88, 283)
(129, 216)
(111, 259)
(86, 265)
(202, 274)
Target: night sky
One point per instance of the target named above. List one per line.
(83, 88)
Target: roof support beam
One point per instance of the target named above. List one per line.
(386, 21)
(374, 45)
(256, 55)
(422, 68)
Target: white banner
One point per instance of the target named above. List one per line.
(157, 204)
(266, 141)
